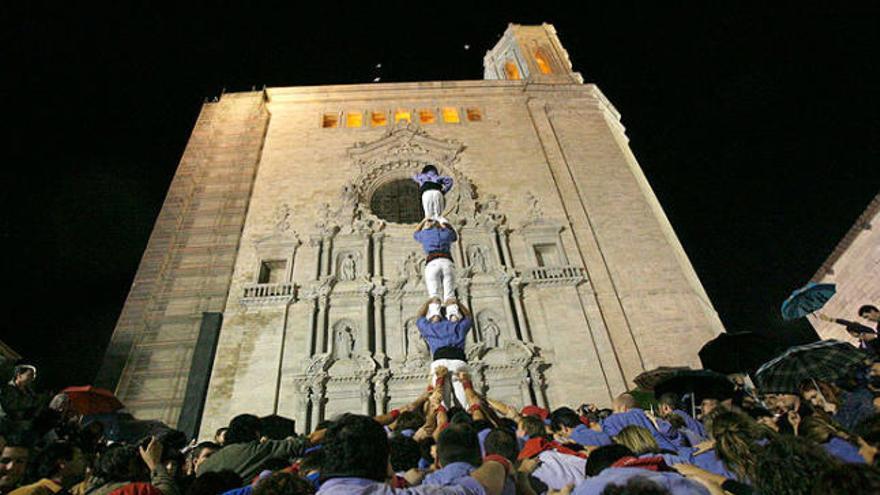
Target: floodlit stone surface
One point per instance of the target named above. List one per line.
(575, 276)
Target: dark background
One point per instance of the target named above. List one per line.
(757, 128)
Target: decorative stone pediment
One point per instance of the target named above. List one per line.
(401, 143)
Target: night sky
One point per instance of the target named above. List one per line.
(757, 129)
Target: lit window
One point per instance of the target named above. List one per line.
(427, 116)
(354, 119)
(378, 119)
(331, 120)
(474, 115)
(450, 115)
(543, 64)
(511, 70)
(402, 115)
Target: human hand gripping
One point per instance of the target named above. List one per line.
(152, 455)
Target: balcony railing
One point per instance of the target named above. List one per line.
(268, 292)
(555, 275)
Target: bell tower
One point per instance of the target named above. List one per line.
(531, 54)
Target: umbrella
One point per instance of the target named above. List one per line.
(742, 352)
(649, 379)
(826, 360)
(277, 427)
(806, 300)
(88, 400)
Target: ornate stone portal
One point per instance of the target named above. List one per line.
(372, 352)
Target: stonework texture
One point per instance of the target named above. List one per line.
(853, 266)
(575, 276)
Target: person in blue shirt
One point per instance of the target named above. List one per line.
(432, 188)
(446, 339)
(436, 239)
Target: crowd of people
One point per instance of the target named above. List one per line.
(824, 439)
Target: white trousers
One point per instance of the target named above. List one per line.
(434, 203)
(453, 389)
(440, 278)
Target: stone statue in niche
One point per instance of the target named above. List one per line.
(343, 342)
(411, 269)
(491, 331)
(280, 218)
(477, 258)
(348, 267)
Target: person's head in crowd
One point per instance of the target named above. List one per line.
(782, 403)
(636, 486)
(637, 439)
(818, 429)
(788, 465)
(532, 427)
(502, 442)
(458, 443)
(707, 405)
(355, 446)
(220, 436)
(870, 313)
(666, 404)
(215, 482)
(284, 484)
(604, 457)
(201, 452)
(821, 395)
(243, 428)
(428, 451)
(409, 420)
(404, 453)
(60, 462)
(848, 479)
(24, 375)
(121, 463)
(13, 461)
(763, 417)
(623, 403)
(537, 411)
(507, 424)
(458, 415)
(736, 437)
(563, 421)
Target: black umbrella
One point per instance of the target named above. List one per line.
(742, 352)
(826, 360)
(277, 427)
(649, 379)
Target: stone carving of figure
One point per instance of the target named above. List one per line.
(478, 259)
(415, 345)
(344, 343)
(491, 332)
(348, 268)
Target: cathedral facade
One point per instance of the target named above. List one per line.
(289, 224)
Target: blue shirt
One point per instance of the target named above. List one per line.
(673, 482)
(635, 417)
(583, 435)
(843, 450)
(451, 474)
(444, 181)
(362, 486)
(435, 239)
(691, 423)
(444, 333)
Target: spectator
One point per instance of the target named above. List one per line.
(18, 399)
(126, 469)
(201, 452)
(244, 454)
(356, 461)
(58, 467)
(13, 461)
(846, 408)
(837, 443)
(626, 413)
(567, 425)
(284, 484)
(789, 465)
